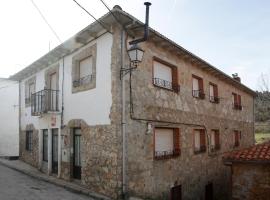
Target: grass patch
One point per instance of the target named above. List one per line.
(262, 137)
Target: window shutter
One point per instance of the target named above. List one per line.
(202, 138)
(175, 79)
(176, 141)
(234, 98)
(201, 84)
(216, 138)
(215, 91)
(239, 99)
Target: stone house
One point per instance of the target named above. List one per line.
(9, 119)
(250, 172)
(157, 133)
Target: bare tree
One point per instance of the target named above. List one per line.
(264, 82)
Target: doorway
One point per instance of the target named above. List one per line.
(176, 192)
(209, 191)
(55, 151)
(77, 154)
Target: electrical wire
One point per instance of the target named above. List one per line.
(46, 21)
(98, 21)
(114, 16)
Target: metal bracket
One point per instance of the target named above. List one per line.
(125, 71)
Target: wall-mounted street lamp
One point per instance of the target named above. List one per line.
(136, 53)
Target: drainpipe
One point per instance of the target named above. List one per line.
(123, 118)
(61, 123)
(20, 114)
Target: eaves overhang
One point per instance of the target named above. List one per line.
(133, 26)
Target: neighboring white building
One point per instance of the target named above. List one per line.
(9, 118)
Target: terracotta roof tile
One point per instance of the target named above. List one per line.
(256, 153)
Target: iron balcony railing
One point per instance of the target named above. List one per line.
(83, 81)
(45, 101)
(198, 94)
(214, 99)
(166, 154)
(237, 106)
(166, 84)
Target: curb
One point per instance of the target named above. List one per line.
(67, 187)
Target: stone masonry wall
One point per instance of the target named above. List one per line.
(250, 181)
(152, 179)
(30, 157)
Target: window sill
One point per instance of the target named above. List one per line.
(215, 100)
(167, 155)
(201, 150)
(237, 107)
(175, 89)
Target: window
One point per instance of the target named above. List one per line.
(85, 72)
(30, 89)
(237, 137)
(165, 75)
(236, 99)
(199, 141)
(197, 87)
(45, 145)
(167, 142)
(213, 93)
(84, 69)
(214, 140)
(29, 141)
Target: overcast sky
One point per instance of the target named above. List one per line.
(232, 35)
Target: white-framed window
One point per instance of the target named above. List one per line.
(86, 67)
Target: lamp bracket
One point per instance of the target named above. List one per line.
(127, 70)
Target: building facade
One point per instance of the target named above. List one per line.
(157, 133)
(9, 118)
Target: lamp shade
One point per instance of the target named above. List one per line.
(135, 54)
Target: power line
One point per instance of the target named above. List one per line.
(44, 18)
(103, 25)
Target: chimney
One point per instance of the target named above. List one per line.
(236, 77)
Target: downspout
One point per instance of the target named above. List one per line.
(62, 122)
(123, 118)
(20, 113)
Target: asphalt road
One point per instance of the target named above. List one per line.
(17, 186)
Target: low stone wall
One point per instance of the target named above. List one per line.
(250, 181)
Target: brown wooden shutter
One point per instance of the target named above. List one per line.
(175, 86)
(239, 99)
(200, 84)
(215, 90)
(235, 99)
(176, 141)
(202, 140)
(217, 138)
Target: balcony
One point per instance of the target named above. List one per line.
(160, 155)
(44, 101)
(198, 94)
(83, 81)
(214, 99)
(237, 106)
(166, 84)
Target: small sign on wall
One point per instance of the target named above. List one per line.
(53, 120)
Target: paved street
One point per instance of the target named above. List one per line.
(17, 186)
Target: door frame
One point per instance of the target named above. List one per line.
(54, 164)
(76, 175)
